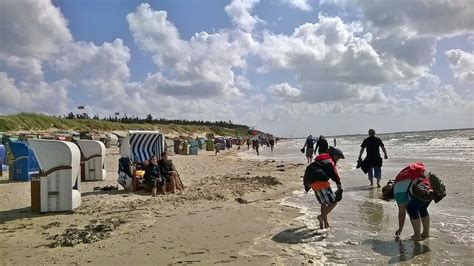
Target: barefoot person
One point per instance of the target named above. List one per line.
(309, 145)
(413, 191)
(317, 177)
(373, 159)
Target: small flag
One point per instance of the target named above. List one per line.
(117, 113)
(81, 107)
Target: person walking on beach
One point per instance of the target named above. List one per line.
(217, 146)
(309, 145)
(317, 177)
(373, 160)
(321, 144)
(257, 144)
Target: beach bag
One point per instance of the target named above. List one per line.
(439, 189)
(421, 189)
(314, 172)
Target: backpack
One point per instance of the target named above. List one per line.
(421, 189)
(412, 171)
(439, 189)
(315, 171)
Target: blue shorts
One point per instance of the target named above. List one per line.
(375, 171)
(417, 208)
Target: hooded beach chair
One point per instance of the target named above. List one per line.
(92, 160)
(24, 163)
(169, 146)
(193, 147)
(139, 146)
(58, 181)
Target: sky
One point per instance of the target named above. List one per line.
(288, 67)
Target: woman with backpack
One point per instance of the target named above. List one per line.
(413, 191)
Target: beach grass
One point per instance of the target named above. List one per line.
(40, 122)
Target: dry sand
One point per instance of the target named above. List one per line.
(204, 224)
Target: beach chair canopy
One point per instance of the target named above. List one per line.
(170, 147)
(3, 154)
(59, 162)
(112, 138)
(141, 145)
(93, 157)
(24, 161)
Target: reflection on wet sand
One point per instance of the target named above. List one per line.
(400, 251)
(371, 212)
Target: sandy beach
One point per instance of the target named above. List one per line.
(240, 209)
(204, 224)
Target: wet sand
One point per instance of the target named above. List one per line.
(364, 226)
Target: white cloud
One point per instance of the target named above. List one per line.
(330, 51)
(335, 61)
(283, 90)
(10, 94)
(240, 13)
(462, 64)
(201, 67)
(99, 70)
(28, 68)
(38, 97)
(434, 18)
(34, 29)
(299, 4)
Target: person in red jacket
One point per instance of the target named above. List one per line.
(317, 178)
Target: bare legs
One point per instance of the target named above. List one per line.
(416, 223)
(425, 221)
(401, 219)
(323, 218)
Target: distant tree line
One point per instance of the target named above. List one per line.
(159, 121)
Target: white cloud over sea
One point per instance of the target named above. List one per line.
(333, 74)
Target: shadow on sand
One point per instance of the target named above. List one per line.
(22, 213)
(398, 251)
(298, 235)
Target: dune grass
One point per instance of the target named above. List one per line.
(40, 122)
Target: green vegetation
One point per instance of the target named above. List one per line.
(39, 122)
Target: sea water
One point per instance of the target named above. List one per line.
(363, 226)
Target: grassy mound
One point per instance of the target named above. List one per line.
(39, 122)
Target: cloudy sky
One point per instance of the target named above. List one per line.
(290, 67)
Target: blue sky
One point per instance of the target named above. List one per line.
(290, 67)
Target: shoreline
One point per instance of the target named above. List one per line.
(204, 224)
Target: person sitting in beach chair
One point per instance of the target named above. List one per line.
(153, 176)
(169, 172)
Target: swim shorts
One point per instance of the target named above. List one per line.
(325, 196)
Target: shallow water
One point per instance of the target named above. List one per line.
(364, 226)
